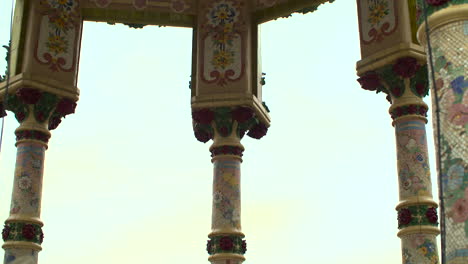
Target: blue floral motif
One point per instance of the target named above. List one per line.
(459, 84)
(9, 258)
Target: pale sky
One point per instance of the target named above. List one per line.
(127, 182)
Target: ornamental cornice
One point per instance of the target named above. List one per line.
(389, 55)
(447, 15)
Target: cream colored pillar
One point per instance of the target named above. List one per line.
(405, 82)
(38, 112)
(226, 103)
(226, 126)
(41, 91)
(448, 36)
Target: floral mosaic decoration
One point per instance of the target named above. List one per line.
(378, 9)
(63, 19)
(226, 194)
(19, 231)
(378, 20)
(452, 88)
(417, 215)
(226, 244)
(223, 29)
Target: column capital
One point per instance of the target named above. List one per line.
(227, 126)
(37, 111)
(405, 83)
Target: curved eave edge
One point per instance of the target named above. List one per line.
(138, 17)
(286, 9)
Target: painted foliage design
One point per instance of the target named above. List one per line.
(418, 248)
(28, 179)
(378, 18)
(222, 43)
(226, 195)
(58, 33)
(413, 164)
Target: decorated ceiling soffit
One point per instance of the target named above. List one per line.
(182, 13)
(266, 10)
(138, 13)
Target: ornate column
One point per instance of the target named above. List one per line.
(405, 83)
(226, 103)
(392, 63)
(41, 91)
(226, 126)
(448, 36)
(38, 113)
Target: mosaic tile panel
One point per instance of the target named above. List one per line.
(450, 53)
(226, 195)
(419, 249)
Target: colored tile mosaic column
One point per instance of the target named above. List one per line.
(405, 83)
(448, 36)
(226, 126)
(38, 112)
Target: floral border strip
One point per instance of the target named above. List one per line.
(226, 150)
(226, 244)
(20, 231)
(32, 134)
(417, 215)
(411, 109)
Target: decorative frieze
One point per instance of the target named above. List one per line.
(226, 244)
(417, 215)
(227, 150)
(21, 231)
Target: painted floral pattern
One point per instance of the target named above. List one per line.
(419, 249)
(378, 9)
(226, 195)
(57, 34)
(451, 85)
(222, 51)
(378, 19)
(413, 166)
(28, 179)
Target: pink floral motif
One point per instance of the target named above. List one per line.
(102, 3)
(139, 4)
(267, 3)
(417, 241)
(63, 18)
(459, 212)
(178, 5)
(458, 114)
